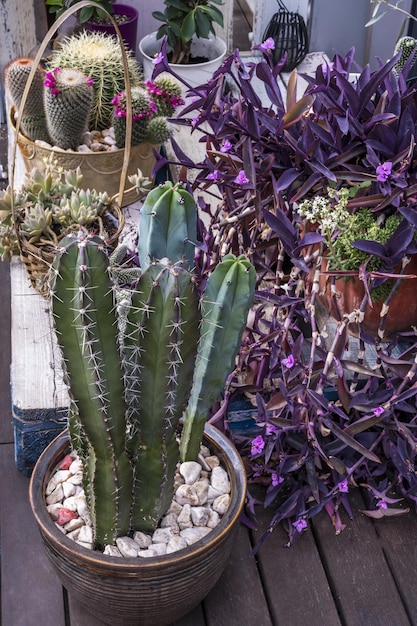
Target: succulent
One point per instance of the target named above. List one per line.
(68, 98)
(99, 57)
(407, 47)
(16, 74)
(127, 407)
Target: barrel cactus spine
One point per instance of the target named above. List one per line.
(68, 99)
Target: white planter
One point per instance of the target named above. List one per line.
(195, 74)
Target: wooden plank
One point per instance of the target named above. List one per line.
(6, 430)
(30, 590)
(399, 544)
(358, 572)
(238, 598)
(294, 579)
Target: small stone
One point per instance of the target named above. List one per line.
(212, 494)
(43, 144)
(169, 520)
(142, 539)
(76, 479)
(88, 546)
(86, 138)
(201, 488)
(127, 546)
(184, 518)
(97, 147)
(59, 477)
(175, 507)
(65, 515)
(221, 504)
(186, 494)
(190, 470)
(73, 524)
(66, 462)
(81, 505)
(204, 451)
(76, 467)
(112, 551)
(70, 503)
(219, 480)
(112, 148)
(68, 488)
(212, 461)
(145, 553)
(96, 136)
(214, 519)
(86, 534)
(202, 461)
(53, 509)
(83, 148)
(163, 535)
(109, 140)
(175, 544)
(57, 495)
(74, 534)
(199, 515)
(157, 549)
(191, 535)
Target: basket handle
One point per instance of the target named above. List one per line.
(38, 57)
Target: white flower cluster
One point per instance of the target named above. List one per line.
(328, 213)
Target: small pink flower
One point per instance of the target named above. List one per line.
(226, 146)
(378, 411)
(257, 445)
(90, 80)
(276, 480)
(241, 178)
(213, 175)
(343, 486)
(270, 429)
(159, 57)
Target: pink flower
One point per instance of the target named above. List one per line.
(276, 480)
(299, 525)
(159, 57)
(241, 178)
(383, 171)
(213, 175)
(268, 44)
(270, 429)
(90, 80)
(381, 504)
(378, 411)
(226, 145)
(343, 486)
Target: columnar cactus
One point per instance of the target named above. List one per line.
(33, 121)
(68, 99)
(407, 46)
(132, 382)
(99, 57)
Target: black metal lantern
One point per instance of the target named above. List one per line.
(289, 32)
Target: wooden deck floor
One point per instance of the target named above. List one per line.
(365, 576)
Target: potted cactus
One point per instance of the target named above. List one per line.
(69, 110)
(131, 383)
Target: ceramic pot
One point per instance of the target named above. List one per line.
(213, 48)
(154, 591)
(402, 313)
(128, 29)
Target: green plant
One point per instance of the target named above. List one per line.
(407, 47)
(124, 420)
(85, 14)
(182, 19)
(33, 120)
(99, 57)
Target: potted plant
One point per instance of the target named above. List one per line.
(323, 411)
(95, 17)
(130, 383)
(82, 78)
(194, 51)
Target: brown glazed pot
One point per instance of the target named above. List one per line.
(402, 314)
(154, 591)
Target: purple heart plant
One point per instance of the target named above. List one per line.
(326, 420)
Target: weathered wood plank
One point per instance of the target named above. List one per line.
(30, 590)
(294, 579)
(358, 572)
(238, 598)
(6, 430)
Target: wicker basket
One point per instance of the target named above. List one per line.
(289, 32)
(37, 259)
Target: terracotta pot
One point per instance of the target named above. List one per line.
(130, 591)
(402, 313)
(128, 29)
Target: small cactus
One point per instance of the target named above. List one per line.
(407, 46)
(68, 98)
(99, 57)
(166, 91)
(33, 120)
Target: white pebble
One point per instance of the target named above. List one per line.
(57, 495)
(212, 461)
(71, 503)
(199, 515)
(109, 141)
(169, 520)
(219, 480)
(157, 549)
(190, 470)
(186, 494)
(86, 534)
(112, 551)
(201, 488)
(191, 535)
(214, 519)
(76, 467)
(184, 518)
(68, 489)
(163, 535)
(142, 539)
(221, 504)
(175, 544)
(73, 524)
(127, 546)
(83, 148)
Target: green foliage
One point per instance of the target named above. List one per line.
(407, 46)
(86, 14)
(182, 19)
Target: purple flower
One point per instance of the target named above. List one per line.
(378, 411)
(383, 171)
(226, 146)
(299, 525)
(213, 175)
(289, 361)
(381, 504)
(343, 486)
(270, 429)
(276, 480)
(268, 44)
(258, 444)
(159, 57)
(90, 80)
(241, 178)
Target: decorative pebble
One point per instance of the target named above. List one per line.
(201, 498)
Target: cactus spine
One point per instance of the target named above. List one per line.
(85, 322)
(99, 57)
(168, 225)
(407, 46)
(68, 101)
(33, 118)
(225, 305)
